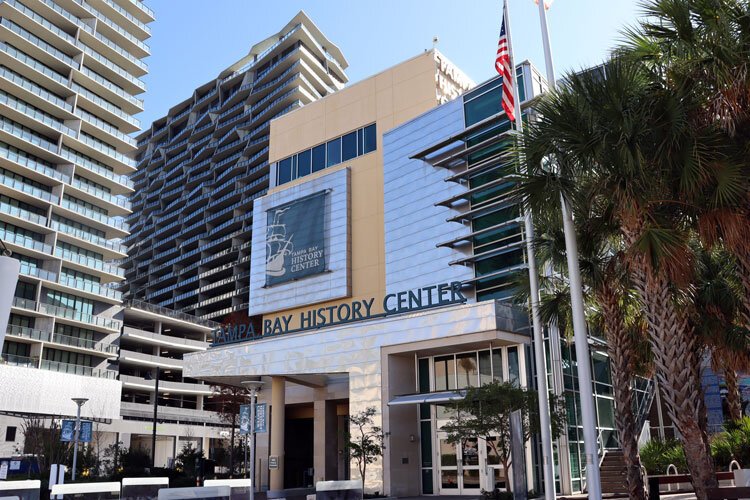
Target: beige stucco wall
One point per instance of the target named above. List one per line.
(388, 99)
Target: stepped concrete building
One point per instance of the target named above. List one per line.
(69, 79)
(202, 165)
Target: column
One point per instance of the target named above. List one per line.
(325, 455)
(278, 402)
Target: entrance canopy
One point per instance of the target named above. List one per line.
(428, 397)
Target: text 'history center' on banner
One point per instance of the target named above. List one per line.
(295, 239)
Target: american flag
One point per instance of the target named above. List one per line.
(503, 67)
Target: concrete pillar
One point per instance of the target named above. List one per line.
(278, 402)
(325, 453)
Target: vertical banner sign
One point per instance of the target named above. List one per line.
(295, 239)
(67, 431)
(518, 455)
(86, 432)
(244, 419)
(260, 417)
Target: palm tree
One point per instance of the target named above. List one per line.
(611, 134)
(607, 296)
(718, 302)
(700, 49)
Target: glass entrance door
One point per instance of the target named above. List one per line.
(462, 467)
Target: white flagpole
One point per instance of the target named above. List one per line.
(548, 466)
(588, 413)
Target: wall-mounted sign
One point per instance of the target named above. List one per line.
(273, 462)
(295, 239)
(347, 312)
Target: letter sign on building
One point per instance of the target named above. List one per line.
(295, 239)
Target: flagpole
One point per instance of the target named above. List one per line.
(548, 466)
(583, 356)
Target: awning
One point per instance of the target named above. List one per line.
(428, 397)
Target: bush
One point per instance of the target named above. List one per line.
(656, 456)
(732, 444)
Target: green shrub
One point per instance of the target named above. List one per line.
(656, 455)
(732, 444)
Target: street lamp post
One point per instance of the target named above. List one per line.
(79, 402)
(253, 387)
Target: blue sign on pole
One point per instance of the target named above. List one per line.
(68, 431)
(86, 432)
(244, 419)
(260, 417)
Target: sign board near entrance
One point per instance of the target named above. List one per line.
(273, 462)
(295, 239)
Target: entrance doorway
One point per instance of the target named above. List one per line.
(468, 467)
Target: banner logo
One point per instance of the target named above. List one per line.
(295, 239)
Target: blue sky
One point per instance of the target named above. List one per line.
(193, 40)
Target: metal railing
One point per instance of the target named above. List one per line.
(86, 371)
(145, 306)
(72, 314)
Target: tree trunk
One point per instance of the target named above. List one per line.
(734, 400)
(673, 343)
(621, 350)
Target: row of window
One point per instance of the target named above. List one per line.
(333, 152)
(73, 358)
(22, 205)
(68, 301)
(79, 251)
(64, 221)
(25, 180)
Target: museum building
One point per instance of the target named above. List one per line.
(381, 268)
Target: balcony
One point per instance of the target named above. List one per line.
(120, 201)
(28, 333)
(89, 262)
(131, 382)
(35, 89)
(26, 304)
(87, 237)
(13, 360)
(38, 272)
(19, 131)
(25, 241)
(109, 350)
(106, 105)
(22, 214)
(90, 287)
(116, 28)
(73, 315)
(35, 114)
(86, 371)
(33, 63)
(112, 222)
(145, 306)
(95, 168)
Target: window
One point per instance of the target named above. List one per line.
(349, 146)
(445, 373)
(69, 301)
(285, 171)
(25, 290)
(303, 163)
(371, 140)
(334, 152)
(11, 348)
(10, 433)
(318, 157)
(466, 365)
